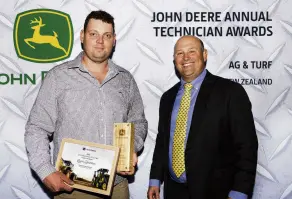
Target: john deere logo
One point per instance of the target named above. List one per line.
(43, 35)
(122, 132)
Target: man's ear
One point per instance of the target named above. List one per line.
(82, 36)
(205, 55)
(115, 41)
(175, 70)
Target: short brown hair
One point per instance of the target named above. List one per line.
(100, 15)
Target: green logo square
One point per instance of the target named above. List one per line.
(43, 35)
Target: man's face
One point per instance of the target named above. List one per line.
(98, 40)
(189, 58)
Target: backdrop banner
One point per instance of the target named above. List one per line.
(248, 41)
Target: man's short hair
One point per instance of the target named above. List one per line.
(100, 15)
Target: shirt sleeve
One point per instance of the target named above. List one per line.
(237, 195)
(136, 115)
(154, 183)
(40, 126)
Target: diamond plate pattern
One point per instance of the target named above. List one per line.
(20, 194)
(126, 28)
(261, 129)
(226, 61)
(143, 7)
(278, 101)
(14, 108)
(287, 192)
(10, 64)
(16, 150)
(261, 170)
(5, 21)
(149, 59)
(282, 147)
(149, 51)
(4, 170)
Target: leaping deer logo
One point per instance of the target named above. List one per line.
(43, 39)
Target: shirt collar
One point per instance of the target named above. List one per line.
(77, 63)
(196, 82)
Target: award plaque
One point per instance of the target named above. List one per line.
(91, 166)
(124, 139)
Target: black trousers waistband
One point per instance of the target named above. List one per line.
(175, 190)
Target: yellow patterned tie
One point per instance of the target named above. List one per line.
(178, 152)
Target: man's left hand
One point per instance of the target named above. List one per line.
(135, 161)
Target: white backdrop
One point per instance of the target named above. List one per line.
(149, 58)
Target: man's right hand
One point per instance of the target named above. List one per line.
(153, 192)
(57, 182)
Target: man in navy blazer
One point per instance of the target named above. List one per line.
(220, 145)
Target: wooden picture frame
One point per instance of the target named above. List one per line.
(91, 166)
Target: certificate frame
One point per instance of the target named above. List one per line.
(78, 160)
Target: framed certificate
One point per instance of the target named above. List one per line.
(91, 166)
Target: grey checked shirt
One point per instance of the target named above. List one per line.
(71, 103)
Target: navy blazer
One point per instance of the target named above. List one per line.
(221, 151)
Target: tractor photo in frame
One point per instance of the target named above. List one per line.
(100, 179)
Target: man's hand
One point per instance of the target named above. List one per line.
(57, 181)
(153, 192)
(135, 161)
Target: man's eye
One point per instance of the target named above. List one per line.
(108, 36)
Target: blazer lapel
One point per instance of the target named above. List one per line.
(201, 105)
(169, 107)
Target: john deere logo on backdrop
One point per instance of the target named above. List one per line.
(43, 35)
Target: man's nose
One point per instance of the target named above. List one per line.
(99, 39)
(186, 56)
